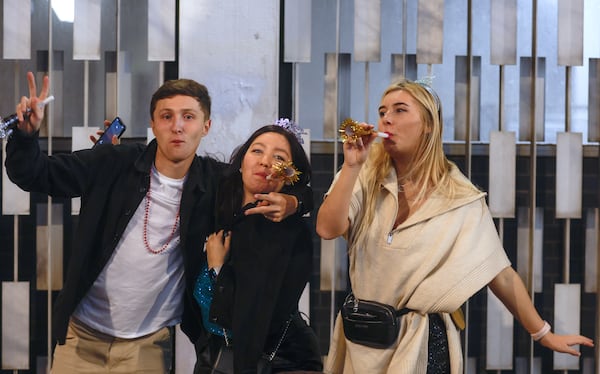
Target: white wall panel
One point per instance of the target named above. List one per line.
(569, 182)
(334, 264)
(502, 162)
(297, 30)
(499, 335)
(233, 48)
(567, 308)
(49, 247)
(594, 97)
(367, 30)
(16, 29)
(471, 366)
(15, 325)
(570, 32)
(15, 201)
(86, 30)
(591, 250)
(503, 34)
(430, 31)
(523, 366)
(161, 30)
(523, 246)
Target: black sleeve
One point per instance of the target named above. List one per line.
(221, 308)
(304, 195)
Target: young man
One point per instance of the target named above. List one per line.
(145, 213)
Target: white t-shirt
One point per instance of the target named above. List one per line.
(139, 292)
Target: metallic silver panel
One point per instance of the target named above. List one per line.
(591, 250)
(523, 246)
(588, 366)
(80, 140)
(594, 97)
(462, 82)
(502, 169)
(16, 41)
(297, 32)
(337, 93)
(138, 78)
(245, 85)
(54, 111)
(471, 366)
(111, 94)
(522, 365)
(570, 32)
(569, 174)
(503, 34)
(404, 67)
(86, 30)
(15, 325)
(15, 201)
(334, 268)
(367, 30)
(525, 104)
(567, 312)
(161, 30)
(430, 31)
(499, 335)
(41, 364)
(49, 236)
(81, 137)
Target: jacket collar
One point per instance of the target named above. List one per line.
(146, 159)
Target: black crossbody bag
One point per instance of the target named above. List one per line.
(371, 323)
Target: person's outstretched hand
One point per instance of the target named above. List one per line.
(274, 206)
(31, 122)
(217, 247)
(564, 343)
(115, 139)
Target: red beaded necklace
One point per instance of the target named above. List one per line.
(147, 214)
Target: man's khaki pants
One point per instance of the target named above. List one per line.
(89, 351)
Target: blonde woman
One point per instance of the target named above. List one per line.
(421, 239)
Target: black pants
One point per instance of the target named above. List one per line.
(438, 357)
(299, 351)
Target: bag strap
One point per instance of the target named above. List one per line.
(287, 326)
(403, 311)
(355, 300)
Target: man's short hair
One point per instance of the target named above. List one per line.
(185, 87)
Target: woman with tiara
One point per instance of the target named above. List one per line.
(256, 268)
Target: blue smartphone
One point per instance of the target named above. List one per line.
(117, 127)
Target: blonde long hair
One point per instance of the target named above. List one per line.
(429, 169)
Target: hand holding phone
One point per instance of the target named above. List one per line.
(117, 127)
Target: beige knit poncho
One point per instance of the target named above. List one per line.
(431, 263)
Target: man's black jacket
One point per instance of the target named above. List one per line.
(112, 181)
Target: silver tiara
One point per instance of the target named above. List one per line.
(291, 126)
(426, 82)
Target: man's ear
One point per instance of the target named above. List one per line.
(152, 126)
(207, 125)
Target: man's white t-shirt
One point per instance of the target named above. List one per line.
(139, 292)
